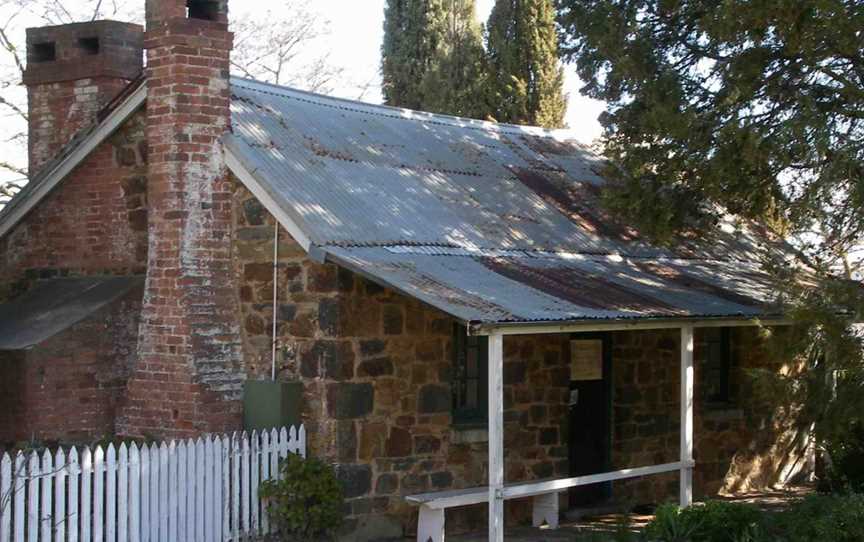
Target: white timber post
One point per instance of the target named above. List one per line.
(687, 382)
(496, 438)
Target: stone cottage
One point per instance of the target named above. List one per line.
(177, 217)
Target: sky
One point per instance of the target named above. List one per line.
(355, 44)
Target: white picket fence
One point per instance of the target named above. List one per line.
(203, 490)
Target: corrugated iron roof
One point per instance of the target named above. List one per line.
(53, 306)
(487, 222)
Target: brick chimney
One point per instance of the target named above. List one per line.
(189, 375)
(73, 71)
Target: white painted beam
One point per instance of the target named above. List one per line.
(592, 326)
(496, 438)
(687, 384)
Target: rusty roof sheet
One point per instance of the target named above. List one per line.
(487, 222)
(492, 287)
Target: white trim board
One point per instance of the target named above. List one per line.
(591, 326)
(61, 170)
(249, 179)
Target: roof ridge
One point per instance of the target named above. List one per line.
(401, 112)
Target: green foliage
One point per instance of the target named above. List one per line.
(306, 502)
(845, 470)
(838, 518)
(755, 106)
(527, 80)
(716, 521)
(432, 58)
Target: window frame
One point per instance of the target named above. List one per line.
(461, 345)
(725, 366)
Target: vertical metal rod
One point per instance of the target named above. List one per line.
(687, 383)
(496, 438)
(275, 297)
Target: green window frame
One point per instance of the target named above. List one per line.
(718, 365)
(470, 377)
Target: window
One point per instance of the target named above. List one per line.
(44, 52)
(470, 357)
(90, 46)
(717, 368)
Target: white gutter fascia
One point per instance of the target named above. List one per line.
(60, 171)
(527, 328)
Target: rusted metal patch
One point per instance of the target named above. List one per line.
(452, 296)
(579, 288)
(580, 202)
(687, 281)
(548, 145)
(320, 150)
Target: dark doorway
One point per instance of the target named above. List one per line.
(590, 415)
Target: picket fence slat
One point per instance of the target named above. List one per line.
(145, 494)
(98, 494)
(163, 492)
(134, 494)
(123, 494)
(33, 498)
(153, 520)
(74, 477)
(5, 499)
(202, 490)
(111, 494)
(20, 480)
(61, 471)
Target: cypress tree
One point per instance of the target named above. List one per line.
(528, 80)
(456, 82)
(433, 57)
(413, 34)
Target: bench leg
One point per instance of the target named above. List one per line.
(546, 510)
(430, 528)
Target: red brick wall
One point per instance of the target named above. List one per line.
(189, 374)
(69, 387)
(95, 222)
(66, 93)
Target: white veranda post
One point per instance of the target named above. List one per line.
(687, 378)
(496, 438)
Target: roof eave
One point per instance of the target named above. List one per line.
(629, 324)
(40, 187)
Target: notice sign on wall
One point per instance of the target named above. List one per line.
(586, 360)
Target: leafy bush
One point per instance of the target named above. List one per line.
(838, 518)
(306, 503)
(846, 468)
(715, 521)
(834, 518)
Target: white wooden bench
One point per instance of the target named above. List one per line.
(545, 493)
(433, 505)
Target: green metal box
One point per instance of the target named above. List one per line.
(268, 404)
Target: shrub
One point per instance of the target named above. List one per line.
(838, 518)
(846, 468)
(306, 503)
(715, 521)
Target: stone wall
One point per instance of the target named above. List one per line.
(744, 445)
(376, 367)
(69, 387)
(93, 223)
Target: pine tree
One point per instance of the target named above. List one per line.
(433, 57)
(528, 80)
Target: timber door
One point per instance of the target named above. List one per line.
(590, 408)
